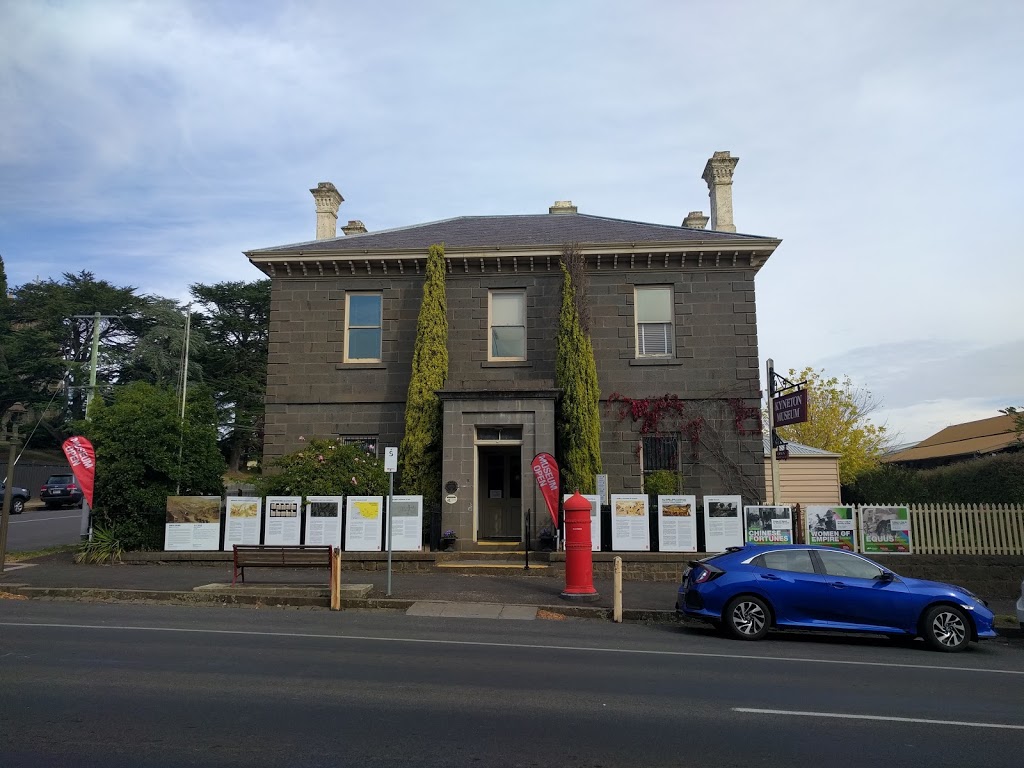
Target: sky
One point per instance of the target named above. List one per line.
(152, 142)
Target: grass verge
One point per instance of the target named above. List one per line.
(17, 557)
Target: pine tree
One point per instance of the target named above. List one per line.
(421, 447)
(579, 417)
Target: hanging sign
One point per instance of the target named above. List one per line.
(82, 459)
(545, 469)
(790, 408)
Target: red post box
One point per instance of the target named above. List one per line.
(579, 561)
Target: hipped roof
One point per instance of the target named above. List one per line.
(968, 439)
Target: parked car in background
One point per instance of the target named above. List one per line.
(60, 491)
(749, 590)
(19, 497)
(1020, 606)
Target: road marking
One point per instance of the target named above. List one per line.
(44, 519)
(841, 716)
(527, 646)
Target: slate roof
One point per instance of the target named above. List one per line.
(511, 231)
(970, 438)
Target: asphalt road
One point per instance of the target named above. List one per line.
(38, 527)
(143, 685)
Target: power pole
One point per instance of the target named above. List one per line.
(95, 317)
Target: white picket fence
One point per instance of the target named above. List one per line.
(969, 529)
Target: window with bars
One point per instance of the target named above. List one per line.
(367, 442)
(654, 326)
(660, 453)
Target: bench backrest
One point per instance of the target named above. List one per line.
(295, 556)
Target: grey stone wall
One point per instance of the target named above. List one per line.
(312, 392)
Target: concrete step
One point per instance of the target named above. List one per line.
(512, 556)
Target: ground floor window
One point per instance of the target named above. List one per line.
(367, 442)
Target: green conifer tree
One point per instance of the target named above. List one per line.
(579, 417)
(420, 452)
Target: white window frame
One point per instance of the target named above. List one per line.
(670, 322)
(349, 327)
(521, 292)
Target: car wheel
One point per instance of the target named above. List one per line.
(946, 628)
(747, 618)
(17, 506)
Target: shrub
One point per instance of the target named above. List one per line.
(661, 481)
(326, 468)
(995, 479)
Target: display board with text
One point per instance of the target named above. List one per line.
(323, 520)
(677, 523)
(242, 520)
(193, 523)
(768, 524)
(364, 523)
(831, 527)
(406, 523)
(885, 531)
(722, 524)
(631, 530)
(282, 520)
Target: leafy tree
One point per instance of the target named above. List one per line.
(579, 417)
(838, 421)
(326, 468)
(421, 446)
(145, 453)
(1018, 419)
(235, 323)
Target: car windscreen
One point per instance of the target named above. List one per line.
(60, 480)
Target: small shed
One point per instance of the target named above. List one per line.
(808, 476)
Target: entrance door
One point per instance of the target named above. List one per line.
(499, 492)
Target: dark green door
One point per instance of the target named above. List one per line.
(499, 491)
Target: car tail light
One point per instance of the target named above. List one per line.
(705, 573)
(72, 487)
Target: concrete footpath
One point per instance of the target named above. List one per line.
(59, 577)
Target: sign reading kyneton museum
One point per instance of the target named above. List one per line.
(791, 408)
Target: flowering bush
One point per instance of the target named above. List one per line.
(325, 468)
(449, 534)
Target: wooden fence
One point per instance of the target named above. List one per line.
(969, 529)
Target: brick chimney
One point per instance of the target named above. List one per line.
(695, 220)
(354, 228)
(718, 175)
(328, 199)
(562, 206)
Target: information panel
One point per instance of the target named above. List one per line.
(677, 523)
(630, 523)
(323, 520)
(722, 525)
(406, 523)
(831, 527)
(885, 531)
(595, 518)
(242, 521)
(769, 524)
(193, 523)
(363, 523)
(282, 522)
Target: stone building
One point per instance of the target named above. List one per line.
(673, 312)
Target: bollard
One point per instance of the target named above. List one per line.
(336, 579)
(617, 592)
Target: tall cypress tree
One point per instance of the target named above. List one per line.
(421, 447)
(579, 417)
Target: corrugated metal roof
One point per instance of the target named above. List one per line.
(511, 231)
(799, 449)
(972, 437)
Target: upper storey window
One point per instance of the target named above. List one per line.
(363, 320)
(654, 327)
(507, 323)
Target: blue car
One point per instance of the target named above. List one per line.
(749, 590)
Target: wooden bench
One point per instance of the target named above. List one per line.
(273, 556)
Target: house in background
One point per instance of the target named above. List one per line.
(961, 442)
(673, 311)
(808, 476)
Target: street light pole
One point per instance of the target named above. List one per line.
(12, 440)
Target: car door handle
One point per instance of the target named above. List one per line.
(838, 585)
(769, 576)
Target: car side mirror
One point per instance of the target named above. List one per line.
(886, 576)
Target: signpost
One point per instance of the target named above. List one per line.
(787, 404)
(390, 466)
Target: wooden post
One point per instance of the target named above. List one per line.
(617, 592)
(335, 579)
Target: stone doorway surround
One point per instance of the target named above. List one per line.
(467, 411)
